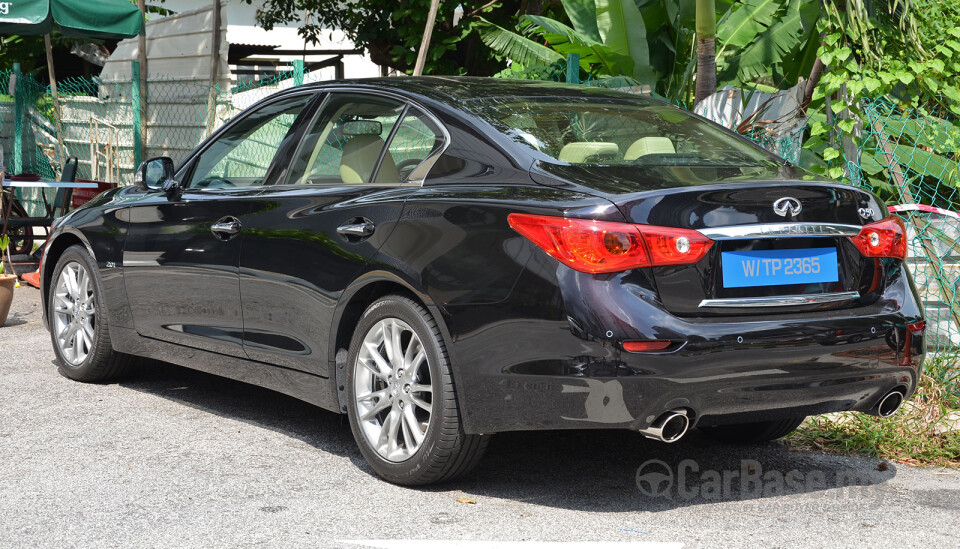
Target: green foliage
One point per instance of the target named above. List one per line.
(907, 51)
(4, 244)
(772, 42)
(759, 42)
(608, 35)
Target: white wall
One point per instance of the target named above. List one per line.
(242, 29)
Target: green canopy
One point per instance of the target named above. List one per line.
(77, 18)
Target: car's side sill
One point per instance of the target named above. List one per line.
(316, 390)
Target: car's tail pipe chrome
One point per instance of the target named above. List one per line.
(669, 427)
(889, 404)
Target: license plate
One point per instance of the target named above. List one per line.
(779, 267)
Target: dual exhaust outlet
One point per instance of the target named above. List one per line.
(672, 425)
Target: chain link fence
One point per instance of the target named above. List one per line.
(909, 155)
(98, 123)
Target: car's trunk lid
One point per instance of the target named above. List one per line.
(760, 219)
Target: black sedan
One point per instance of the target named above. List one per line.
(442, 259)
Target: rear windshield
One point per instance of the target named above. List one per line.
(615, 132)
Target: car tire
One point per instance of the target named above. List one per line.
(751, 433)
(402, 408)
(79, 323)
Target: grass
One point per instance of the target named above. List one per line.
(915, 435)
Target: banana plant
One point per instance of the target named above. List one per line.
(768, 37)
(655, 41)
(608, 35)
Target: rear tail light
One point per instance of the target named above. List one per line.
(605, 247)
(886, 238)
(917, 327)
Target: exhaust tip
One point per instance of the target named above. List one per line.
(674, 427)
(669, 427)
(889, 404)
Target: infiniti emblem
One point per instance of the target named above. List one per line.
(787, 204)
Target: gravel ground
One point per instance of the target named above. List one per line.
(172, 457)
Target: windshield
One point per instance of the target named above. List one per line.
(608, 131)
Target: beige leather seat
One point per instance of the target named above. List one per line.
(360, 155)
(579, 152)
(649, 145)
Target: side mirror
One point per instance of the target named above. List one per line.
(153, 174)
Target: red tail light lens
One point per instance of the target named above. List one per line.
(646, 346)
(669, 246)
(887, 238)
(606, 247)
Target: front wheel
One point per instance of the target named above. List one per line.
(402, 403)
(78, 320)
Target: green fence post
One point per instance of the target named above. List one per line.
(298, 72)
(17, 121)
(136, 102)
(573, 68)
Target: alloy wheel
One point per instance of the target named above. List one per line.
(394, 390)
(74, 313)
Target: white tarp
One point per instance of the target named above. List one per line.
(775, 115)
(178, 48)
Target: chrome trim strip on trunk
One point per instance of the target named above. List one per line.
(780, 300)
(779, 230)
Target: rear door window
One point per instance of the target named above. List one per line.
(416, 138)
(345, 141)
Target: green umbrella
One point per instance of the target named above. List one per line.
(78, 18)
(101, 19)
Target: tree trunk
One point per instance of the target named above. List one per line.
(706, 69)
(706, 49)
(427, 34)
(815, 73)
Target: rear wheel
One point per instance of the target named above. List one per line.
(78, 321)
(747, 433)
(402, 403)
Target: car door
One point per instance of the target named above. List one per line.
(315, 231)
(182, 251)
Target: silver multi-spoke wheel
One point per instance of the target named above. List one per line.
(74, 313)
(393, 390)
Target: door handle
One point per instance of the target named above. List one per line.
(226, 228)
(361, 229)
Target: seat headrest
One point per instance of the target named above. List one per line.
(649, 145)
(579, 152)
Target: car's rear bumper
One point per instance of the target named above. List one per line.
(558, 374)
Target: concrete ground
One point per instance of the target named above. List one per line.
(171, 457)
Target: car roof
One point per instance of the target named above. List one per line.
(456, 89)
